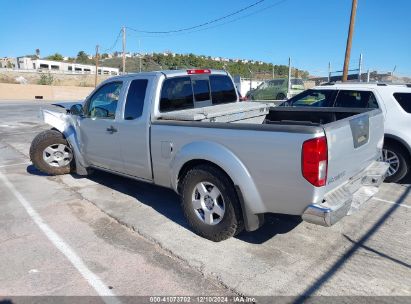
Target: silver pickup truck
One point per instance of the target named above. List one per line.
(229, 169)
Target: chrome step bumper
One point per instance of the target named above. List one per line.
(348, 198)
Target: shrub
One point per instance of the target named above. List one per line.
(46, 79)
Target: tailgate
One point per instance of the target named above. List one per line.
(353, 144)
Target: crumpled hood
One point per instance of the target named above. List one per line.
(67, 104)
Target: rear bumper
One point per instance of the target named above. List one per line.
(348, 198)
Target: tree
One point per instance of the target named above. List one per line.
(82, 57)
(104, 56)
(55, 57)
(38, 53)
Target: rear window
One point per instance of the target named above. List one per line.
(222, 89)
(176, 94)
(356, 99)
(404, 99)
(135, 99)
(201, 89)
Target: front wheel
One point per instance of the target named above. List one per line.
(210, 203)
(280, 96)
(397, 159)
(51, 153)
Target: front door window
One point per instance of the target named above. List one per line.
(103, 103)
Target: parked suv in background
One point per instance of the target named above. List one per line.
(395, 103)
(276, 89)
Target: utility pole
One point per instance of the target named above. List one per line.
(95, 80)
(273, 71)
(329, 71)
(349, 40)
(360, 69)
(139, 50)
(392, 74)
(124, 49)
(289, 76)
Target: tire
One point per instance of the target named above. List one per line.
(280, 96)
(397, 158)
(215, 227)
(51, 153)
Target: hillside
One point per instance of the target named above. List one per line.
(164, 62)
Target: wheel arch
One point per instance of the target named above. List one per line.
(393, 139)
(63, 123)
(219, 156)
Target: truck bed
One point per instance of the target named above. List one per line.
(260, 113)
(312, 116)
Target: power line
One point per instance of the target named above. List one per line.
(115, 42)
(199, 25)
(242, 17)
(214, 26)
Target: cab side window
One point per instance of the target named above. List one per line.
(356, 99)
(103, 103)
(135, 99)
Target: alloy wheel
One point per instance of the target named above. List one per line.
(208, 203)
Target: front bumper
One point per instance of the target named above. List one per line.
(348, 198)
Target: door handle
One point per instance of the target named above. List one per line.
(111, 130)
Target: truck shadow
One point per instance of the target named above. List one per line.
(406, 180)
(274, 224)
(167, 203)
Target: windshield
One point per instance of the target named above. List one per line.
(312, 98)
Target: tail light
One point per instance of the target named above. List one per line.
(314, 161)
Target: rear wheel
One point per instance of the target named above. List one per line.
(51, 153)
(396, 157)
(210, 203)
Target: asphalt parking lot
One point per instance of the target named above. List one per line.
(107, 235)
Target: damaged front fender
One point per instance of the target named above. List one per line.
(67, 125)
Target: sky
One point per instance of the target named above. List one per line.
(311, 32)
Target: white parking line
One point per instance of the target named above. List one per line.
(94, 281)
(11, 165)
(392, 203)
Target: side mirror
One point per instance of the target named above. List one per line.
(77, 110)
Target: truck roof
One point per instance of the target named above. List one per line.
(174, 73)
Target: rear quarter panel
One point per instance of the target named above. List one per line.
(271, 180)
